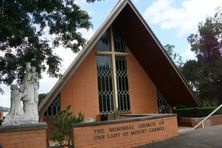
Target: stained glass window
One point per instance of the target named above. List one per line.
(118, 42)
(54, 108)
(112, 73)
(122, 84)
(104, 74)
(104, 43)
(162, 103)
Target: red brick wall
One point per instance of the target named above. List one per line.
(23, 139)
(141, 88)
(81, 91)
(184, 121)
(135, 135)
(51, 129)
(192, 122)
(215, 120)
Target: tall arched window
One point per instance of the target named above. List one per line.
(112, 73)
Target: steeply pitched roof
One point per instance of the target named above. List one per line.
(147, 49)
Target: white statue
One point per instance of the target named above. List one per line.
(28, 94)
(30, 102)
(16, 113)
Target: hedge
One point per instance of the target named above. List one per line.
(196, 112)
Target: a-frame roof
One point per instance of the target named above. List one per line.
(146, 48)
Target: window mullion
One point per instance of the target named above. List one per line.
(120, 53)
(114, 72)
(104, 53)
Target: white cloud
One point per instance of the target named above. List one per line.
(87, 34)
(187, 54)
(185, 18)
(46, 83)
(5, 98)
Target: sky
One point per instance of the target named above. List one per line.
(172, 21)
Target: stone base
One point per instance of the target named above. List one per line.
(11, 121)
(24, 136)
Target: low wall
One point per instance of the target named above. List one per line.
(23, 136)
(189, 121)
(185, 121)
(125, 132)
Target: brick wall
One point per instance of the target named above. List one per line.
(31, 136)
(124, 133)
(81, 91)
(216, 120)
(51, 129)
(192, 122)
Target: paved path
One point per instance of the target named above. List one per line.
(184, 129)
(210, 137)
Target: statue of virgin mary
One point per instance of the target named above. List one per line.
(30, 102)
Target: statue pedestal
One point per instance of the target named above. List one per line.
(24, 136)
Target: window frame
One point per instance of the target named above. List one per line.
(113, 54)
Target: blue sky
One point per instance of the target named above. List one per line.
(172, 21)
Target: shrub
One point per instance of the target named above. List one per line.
(63, 123)
(195, 112)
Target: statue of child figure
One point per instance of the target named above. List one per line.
(15, 115)
(35, 80)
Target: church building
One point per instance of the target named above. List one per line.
(122, 68)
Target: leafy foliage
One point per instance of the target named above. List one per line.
(41, 97)
(191, 73)
(205, 73)
(196, 112)
(31, 29)
(174, 56)
(63, 123)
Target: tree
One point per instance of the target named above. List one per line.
(207, 45)
(31, 29)
(191, 72)
(177, 59)
(41, 97)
